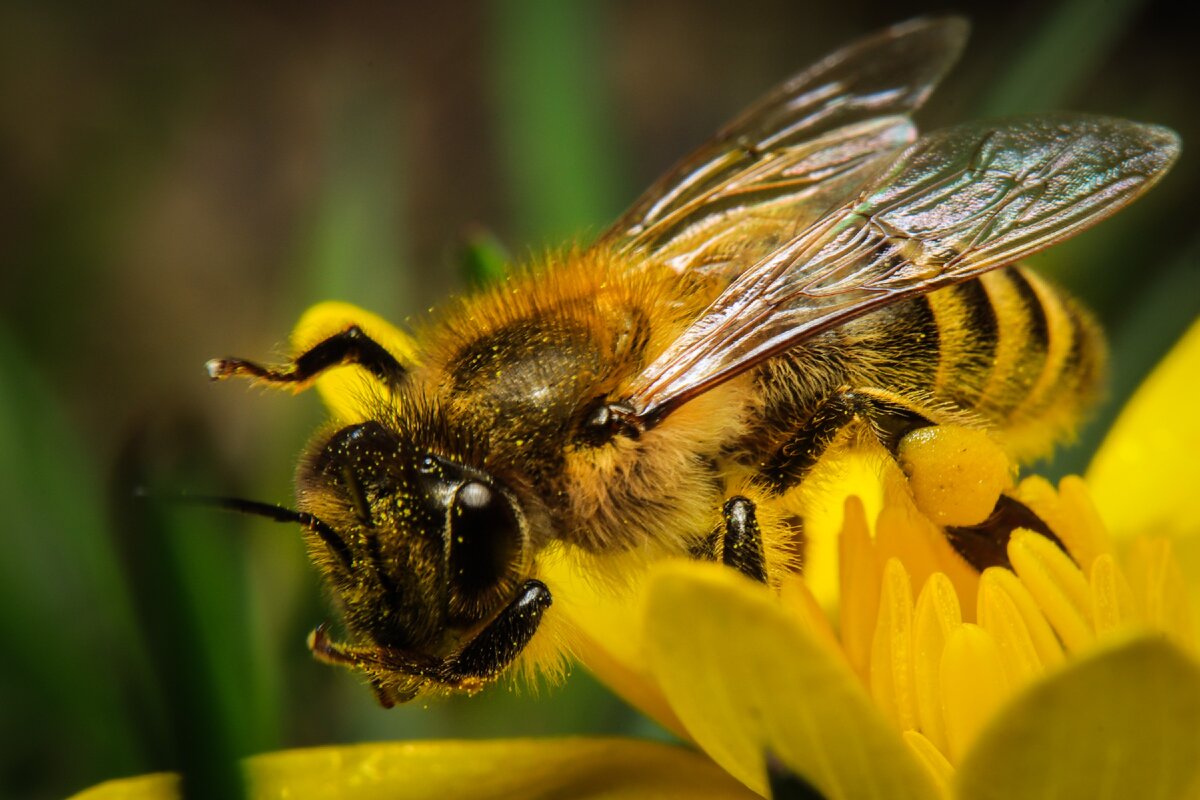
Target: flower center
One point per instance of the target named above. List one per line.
(940, 647)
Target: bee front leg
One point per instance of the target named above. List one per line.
(890, 416)
(398, 675)
(351, 346)
(500, 642)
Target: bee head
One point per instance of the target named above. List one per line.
(420, 549)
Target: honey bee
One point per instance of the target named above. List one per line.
(816, 265)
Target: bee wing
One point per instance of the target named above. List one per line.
(802, 149)
(957, 203)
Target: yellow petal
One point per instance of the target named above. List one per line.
(1160, 588)
(525, 768)
(159, 786)
(1187, 555)
(347, 391)
(821, 501)
(892, 649)
(1045, 642)
(611, 615)
(1053, 579)
(745, 680)
(629, 682)
(606, 630)
(1000, 616)
(901, 532)
(1113, 605)
(859, 576)
(974, 685)
(798, 599)
(1123, 722)
(1143, 477)
(1086, 536)
(1070, 513)
(941, 770)
(937, 616)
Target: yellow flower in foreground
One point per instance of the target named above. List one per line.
(613, 769)
(891, 670)
(1069, 675)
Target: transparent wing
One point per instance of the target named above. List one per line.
(804, 148)
(957, 203)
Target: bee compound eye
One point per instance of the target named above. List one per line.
(485, 536)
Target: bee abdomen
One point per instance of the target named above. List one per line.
(1020, 352)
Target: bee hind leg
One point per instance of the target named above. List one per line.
(351, 346)
(890, 416)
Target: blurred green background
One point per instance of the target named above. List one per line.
(182, 180)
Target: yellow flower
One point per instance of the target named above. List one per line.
(1065, 676)
(613, 769)
(891, 670)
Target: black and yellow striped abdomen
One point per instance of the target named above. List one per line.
(1008, 348)
(1020, 352)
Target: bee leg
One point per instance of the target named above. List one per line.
(741, 542)
(483, 658)
(351, 346)
(890, 417)
(737, 541)
(500, 642)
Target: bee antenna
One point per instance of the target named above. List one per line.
(278, 514)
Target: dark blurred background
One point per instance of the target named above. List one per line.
(180, 181)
